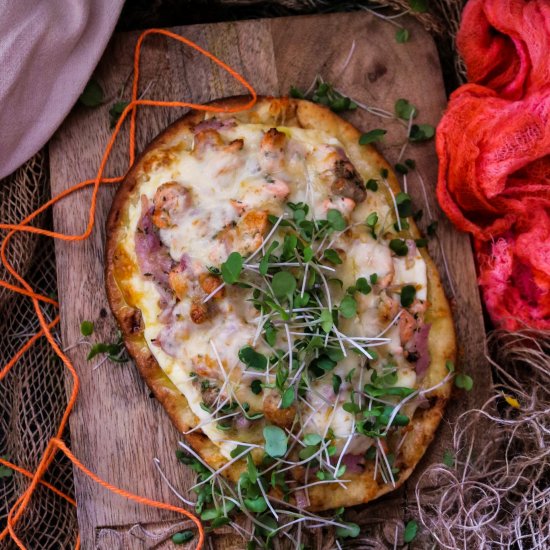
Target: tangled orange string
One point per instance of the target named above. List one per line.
(56, 443)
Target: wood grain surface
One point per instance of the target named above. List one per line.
(116, 428)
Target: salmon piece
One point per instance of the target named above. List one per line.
(171, 200)
(206, 366)
(407, 325)
(279, 189)
(272, 151)
(388, 308)
(280, 417)
(199, 311)
(210, 139)
(234, 146)
(209, 283)
(239, 206)
(418, 307)
(250, 230)
(179, 283)
(245, 237)
(343, 204)
(207, 139)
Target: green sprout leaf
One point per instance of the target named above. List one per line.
(325, 94)
(264, 262)
(307, 452)
(348, 307)
(410, 531)
(408, 293)
(115, 351)
(92, 96)
(464, 381)
(332, 256)
(449, 459)
(372, 137)
(402, 35)
(4, 470)
(86, 328)
(276, 441)
(336, 220)
(401, 168)
(182, 537)
(399, 246)
(362, 286)
(296, 93)
(421, 132)
(349, 530)
(288, 398)
(257, 505)
(372, 220)
(210, 514)
(256, 387)
(251, 469)
(404, 109)
(270, 333)
(432, 228)
(336, 383)
(283, 284)
(252, 359)
(312, 439)
(307, 254)
(116, 111)
(326, 320)
(372, 185)
(404, 204)
(419, 6)
(237, 451)
(232, 267)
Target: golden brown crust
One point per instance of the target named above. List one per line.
(442, 346)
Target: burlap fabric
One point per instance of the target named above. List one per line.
(31, 404)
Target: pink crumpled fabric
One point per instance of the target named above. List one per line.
(493, 145)
(48, 51)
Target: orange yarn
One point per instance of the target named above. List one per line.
(56, 443)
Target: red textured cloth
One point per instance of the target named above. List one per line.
(493, 145)
(505, 45)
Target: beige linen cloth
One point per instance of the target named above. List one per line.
(48, 51)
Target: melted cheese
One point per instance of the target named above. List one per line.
(216, 179)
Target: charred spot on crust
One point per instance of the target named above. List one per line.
(132, 322)
(136, 322)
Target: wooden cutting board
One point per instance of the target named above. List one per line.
(117, 428)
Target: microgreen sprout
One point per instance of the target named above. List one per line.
(300, 346)
(325, 94)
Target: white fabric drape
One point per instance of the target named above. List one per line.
(48, 51)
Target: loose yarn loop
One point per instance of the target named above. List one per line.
(493, 145)
(56, 444)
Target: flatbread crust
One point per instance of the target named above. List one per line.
(442, 345)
